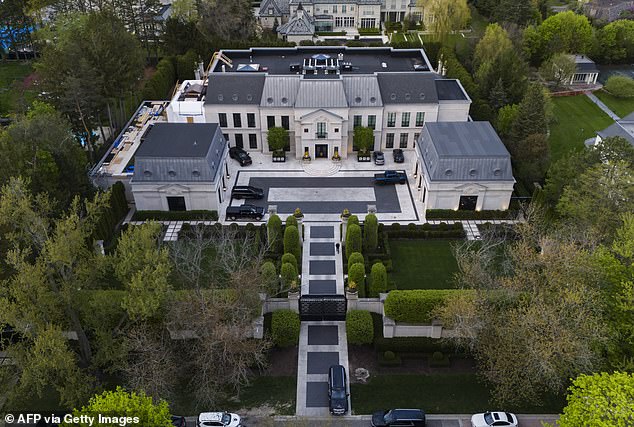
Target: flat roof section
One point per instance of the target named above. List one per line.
(367, 60)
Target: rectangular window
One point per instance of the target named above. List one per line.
(237, 120)
(239, 140)
(391, 120)
(338, 21)
(420, 119)
(405, 120)
(358, 121)
(251, 120)
(334, 9)
(321, 130)
(253, 141)
(285, 122)
(389, 140)
(403, 141)
(372, 122)
(343, 8)
(222, 120)
(270, 122)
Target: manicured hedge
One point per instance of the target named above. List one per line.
(291, 220)
(290, 258)
(175, 216)
(270, 279)
(353, 239)
(285, 328)
(359, 327)
(274, 233)
(370, 233)
(289, 276)
(425, 231)
(113, 214)
(416, 306)
(451, 214)
(369, 31)
(356, 258)
(378, 280)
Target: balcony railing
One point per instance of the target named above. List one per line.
(321, 135)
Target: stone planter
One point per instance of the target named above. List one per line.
(279, 159)
(364, 158)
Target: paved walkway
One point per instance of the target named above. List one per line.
(602, 106)
(321, 344)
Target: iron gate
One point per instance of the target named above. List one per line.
(322, 307)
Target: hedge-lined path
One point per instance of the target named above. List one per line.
(321, 344)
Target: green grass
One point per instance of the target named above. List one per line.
(422, 264)
(621, 106)
(13, 96)
(577, 119)
(435, 394)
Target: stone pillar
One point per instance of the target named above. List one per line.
(293, 299)
(353, 300)
(258, 328)
(344, 228)
(388, 327)
(300, 228)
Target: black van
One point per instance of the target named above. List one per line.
(246, 192)
(337, 394)
(399, 417)
(245, 212)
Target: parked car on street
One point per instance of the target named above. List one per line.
(337, 394)
(246, 192)
(390, 177)
(379, 158)
(399, 157)
(490, 419)
(178, 421)
(218, 419)
(399, 417)
(245, 212)
(240, 155)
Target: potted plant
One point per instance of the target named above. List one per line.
(306, 156)
(277, 138)
(363, 139)
(293, 289)
(345, 213)
(336, 157)
(298, 213)
(352, 287)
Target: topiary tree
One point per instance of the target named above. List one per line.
(290, 258)
(285, 327)
(353, 240)
(270, 279)
(378, 277)
(277, 138)
(355, 258)
(289, 276)
(356, 274)
(353, 219)
(291, 221)
(292, 243)
(370, 233)
(274, 233)
(359, 328)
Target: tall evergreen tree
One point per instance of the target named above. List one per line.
(532, 114)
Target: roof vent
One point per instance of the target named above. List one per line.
(196, 173)
(147, 173)
(373, 100)
(473, 172)
(234, 96)
(392, 96)
(408, 96)
(497, 172)
(195, 143)
(422, 95)
(357, 99)
(448, 172)
(284, 100)
(249, 97)
(221, 97)
(171, 173)
(269, 100)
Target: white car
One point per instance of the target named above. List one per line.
(488, 419)
(218, 419)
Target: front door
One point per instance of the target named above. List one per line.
(468, 203)
(176, 204)
(321, 151)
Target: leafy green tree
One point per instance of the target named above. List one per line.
(516, 12)
(292, 242)
(289, 276)
(363, 138)
(353, 239)
(121, 403)
(270, 279)
(228, 21)
(274, 233)
(181, 35)
(558, 70)
(378, 279)
(614, 42)
(503, 80)
(185, 10)
(600, 399)
(356, 275)
(505, 119)
(370, 233)
(493, 43)
(277, 138)
(620, 86)
(531, 158)
(449, 16)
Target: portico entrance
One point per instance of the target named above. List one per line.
(321, 151)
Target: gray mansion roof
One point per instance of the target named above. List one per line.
(180, 152)
(464, 151)
(300, 24)
(237, 89)
(279, 7)
(623, 128)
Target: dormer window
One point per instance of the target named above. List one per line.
(270, 11)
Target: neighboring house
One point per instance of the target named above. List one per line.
(271, 11)
(463, 165)
(320, 94)
(623, 128)
(300, 27)
(607, 10)
(586, 73)
(180, 167)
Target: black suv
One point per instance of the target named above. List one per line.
(337, 395)
(246, 192)
(245, 212)
(240, 155)
(399, 417)
(399, 157)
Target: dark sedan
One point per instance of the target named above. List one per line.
(240, 155)
(399, 157)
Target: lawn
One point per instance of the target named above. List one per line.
(435, 394)
(13, 95)
(577, 119)
(621, 106)
(422, 264)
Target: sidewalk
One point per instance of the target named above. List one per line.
(602, 106)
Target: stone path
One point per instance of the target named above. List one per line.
(602, 106)
(321, 344)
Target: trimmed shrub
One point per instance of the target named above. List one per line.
(353, 219)
(355, 258)
(359, 328)
(285, 327)
(289, 276)
(416, 306)
(291, 221)
(353, 240)
(620, 86)
(274, 233)
(270, 279)
(292, 242)
(356, 274)
(389, 358)
(290, 258)
(439, 360)
(378, 280)
(451, 214)
(370, 233)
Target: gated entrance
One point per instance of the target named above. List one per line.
(322, 307)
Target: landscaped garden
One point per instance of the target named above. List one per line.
(621, 106)
(422, 264)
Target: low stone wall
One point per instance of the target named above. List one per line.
(274, 304)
